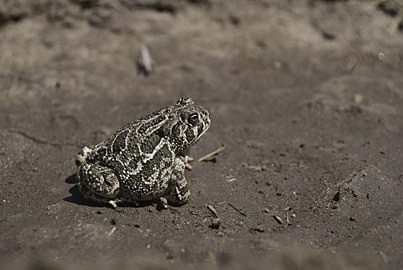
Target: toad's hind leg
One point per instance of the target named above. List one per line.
(98, 183)
(179, 194)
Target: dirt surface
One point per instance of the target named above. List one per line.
(306, 95)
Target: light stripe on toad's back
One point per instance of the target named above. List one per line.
(153, 180)
(145, 156)
(119, 144)
(136, 163)
(151, 125)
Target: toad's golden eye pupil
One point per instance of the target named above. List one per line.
(193, 118)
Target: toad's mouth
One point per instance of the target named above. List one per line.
(200, 130)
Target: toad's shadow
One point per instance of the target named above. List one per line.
(75, 195)
(77, 198)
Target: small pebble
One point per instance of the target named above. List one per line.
(112, 221)
(215, 223)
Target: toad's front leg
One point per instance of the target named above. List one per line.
(179, 193)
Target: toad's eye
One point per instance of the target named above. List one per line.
(193, 118)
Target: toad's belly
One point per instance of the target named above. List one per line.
(145, 188)
(147, 181)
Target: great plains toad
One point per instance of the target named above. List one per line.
(144, 160)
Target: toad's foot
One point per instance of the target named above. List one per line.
(92, 196)
(187, 160)
(162, 203)
(113, 204)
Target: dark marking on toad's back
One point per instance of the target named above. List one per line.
(144, 160)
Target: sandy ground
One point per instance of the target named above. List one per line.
(306, 95)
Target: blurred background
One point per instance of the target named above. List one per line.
(305, 94)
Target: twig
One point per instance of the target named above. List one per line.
(109, 234)
(230, 178)
(238, 210)
(212, 209)
(278, 219)
(145, 62)
(211, 155)
(212, 257)
(383, 256)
